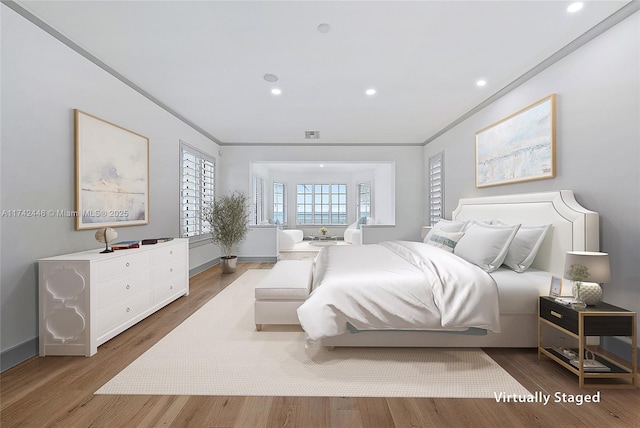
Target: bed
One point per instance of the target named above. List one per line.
(499, 310)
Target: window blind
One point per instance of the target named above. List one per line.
(436, 187)
(198, 172)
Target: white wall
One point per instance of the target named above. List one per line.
(408, 191)
(598, 146)
(43, 81)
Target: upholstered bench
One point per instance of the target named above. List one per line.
(282, 291)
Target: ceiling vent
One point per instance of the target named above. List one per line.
(311, 135)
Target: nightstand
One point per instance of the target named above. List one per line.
(599, 320)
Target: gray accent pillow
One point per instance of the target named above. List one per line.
(444, 240)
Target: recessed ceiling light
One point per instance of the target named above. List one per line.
(370, 91)
(270, 77)
(324, 28)
(481, 82)
(574, 7)
(276, 91)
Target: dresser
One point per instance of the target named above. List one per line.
(87, 298)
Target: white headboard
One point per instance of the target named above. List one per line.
(574, 227)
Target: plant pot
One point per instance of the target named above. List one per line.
(229, 264)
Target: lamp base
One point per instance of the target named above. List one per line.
(590, 292)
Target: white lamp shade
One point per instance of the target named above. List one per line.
(597, 264)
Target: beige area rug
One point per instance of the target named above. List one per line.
(217, 351)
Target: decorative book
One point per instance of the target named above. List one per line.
(591, 365)
(125, 245)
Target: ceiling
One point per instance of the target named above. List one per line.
(205, 61)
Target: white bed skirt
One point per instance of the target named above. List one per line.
(518, 331)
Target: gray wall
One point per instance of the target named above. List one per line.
(598, 146)
(43, 81)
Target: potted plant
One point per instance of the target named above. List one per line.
(229, 219)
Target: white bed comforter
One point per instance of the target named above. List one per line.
(397, 285)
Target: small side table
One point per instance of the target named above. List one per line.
(601, 319)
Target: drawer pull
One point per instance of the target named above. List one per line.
(128, 309)
(556, 314)
(171, 252)
(170, 269)
(127, 265)
(171, 287)
(128, 286)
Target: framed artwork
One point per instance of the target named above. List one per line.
(520, 147)
(112, 174)
(556, 286)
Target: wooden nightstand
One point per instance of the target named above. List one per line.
(602, 319)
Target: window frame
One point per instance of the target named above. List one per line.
(320, 198)
(258, 200)
(359, 201)
(435, 186)
(201, 195)
(284, 203)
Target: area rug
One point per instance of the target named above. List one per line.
(217, 351)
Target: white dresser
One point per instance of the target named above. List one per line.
(88, 298)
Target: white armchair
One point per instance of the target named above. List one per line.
(288, 238)
(352, 234)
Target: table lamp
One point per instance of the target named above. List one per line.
(582, 266)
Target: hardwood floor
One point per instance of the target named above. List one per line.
(58, 391)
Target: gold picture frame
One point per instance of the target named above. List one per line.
(520, 147)
(112, 174)
(555, 289)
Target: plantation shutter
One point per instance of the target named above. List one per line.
(436, 188)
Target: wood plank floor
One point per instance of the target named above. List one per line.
(58, 391)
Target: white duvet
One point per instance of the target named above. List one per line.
(397, 285)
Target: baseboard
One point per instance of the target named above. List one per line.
(259, 259)
(18, 354)
(199, 269)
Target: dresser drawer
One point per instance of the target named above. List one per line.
(168, 288)
(127, 264)
(169, 270)
(123, 288)
(165, 254)
(561, 315)
(122, 311)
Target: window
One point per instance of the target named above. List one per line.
(258, 200)
(364, 200)
(198, 171)
(322, 204)
(436, 188)
(280, 211)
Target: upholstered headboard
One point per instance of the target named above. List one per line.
(574, 227)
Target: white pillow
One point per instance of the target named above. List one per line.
(472, 222)
(444, 240)
(486, 245)
(450, 225)
(525, 246)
